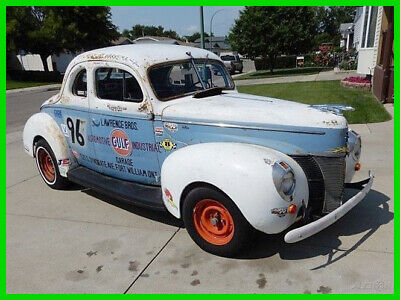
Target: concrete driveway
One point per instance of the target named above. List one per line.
(78, 241)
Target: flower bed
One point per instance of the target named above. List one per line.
(356, 82)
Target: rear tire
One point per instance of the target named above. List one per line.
(48, 167)
(215, 223)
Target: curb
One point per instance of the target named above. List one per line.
(50, 87)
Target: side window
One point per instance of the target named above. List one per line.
(79, 87)
(117, 84)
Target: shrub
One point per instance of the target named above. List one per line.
(284, 62)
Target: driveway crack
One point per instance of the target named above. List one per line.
(149, 263)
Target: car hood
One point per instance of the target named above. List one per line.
(244, 110)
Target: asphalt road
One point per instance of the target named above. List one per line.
(78, 241)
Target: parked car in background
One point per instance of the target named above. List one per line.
(232, 62)
(162, 126)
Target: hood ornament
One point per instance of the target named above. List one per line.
(337, 109)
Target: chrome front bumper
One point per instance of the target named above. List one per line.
(310, 229)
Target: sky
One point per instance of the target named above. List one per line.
(185, 20)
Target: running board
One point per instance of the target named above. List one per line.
(147, 196)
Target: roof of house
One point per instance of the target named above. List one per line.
(155, 39)
(214, 39)
(345, 27)
(144, 55)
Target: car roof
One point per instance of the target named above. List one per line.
(144, 55)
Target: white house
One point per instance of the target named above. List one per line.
(347, 35)
(375, 48)
(32, 62)
(370, 21)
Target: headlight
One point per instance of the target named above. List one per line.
(284, 180)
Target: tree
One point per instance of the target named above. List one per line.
(329, 20)
(144, 30)
(272, 30)
(192, 38)
(51, 30)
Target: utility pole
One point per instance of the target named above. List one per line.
(202, 27)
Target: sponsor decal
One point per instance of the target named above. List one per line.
(64, 130)
(99, 139)
(124, 161)
(118, 124)
(150, 147)
(116, 107)
(120, 142)
(63, 165)
(185, 127)
(158, 131)
(167, 144)
(280, 211)
(169, 197)
(171, 127)
(95, 123)
(121, 164)
(63, 162)
(58, 113)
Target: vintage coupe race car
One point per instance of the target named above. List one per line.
(162, 126)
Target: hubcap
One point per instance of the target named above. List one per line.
(46, 165)
(213, 222)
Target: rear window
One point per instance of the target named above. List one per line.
(79, 87)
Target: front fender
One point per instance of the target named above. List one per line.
(242, 171)
(43, 125)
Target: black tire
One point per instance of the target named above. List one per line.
(242, 234)
(58, 182)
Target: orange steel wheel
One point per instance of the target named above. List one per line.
(213, 222)
(46, 165)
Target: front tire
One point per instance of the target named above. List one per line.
(48, 167)
(215, 223)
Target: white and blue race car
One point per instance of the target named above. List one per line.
(162, 126)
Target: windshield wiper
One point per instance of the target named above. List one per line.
(195, 69)
(208, 92)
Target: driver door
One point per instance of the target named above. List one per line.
(122, 135)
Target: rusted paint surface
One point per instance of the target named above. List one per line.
(331, 123)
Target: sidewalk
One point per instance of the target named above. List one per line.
(322, 76)
(42, 88)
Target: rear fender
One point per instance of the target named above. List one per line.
(42, 125)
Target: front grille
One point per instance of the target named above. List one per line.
(325, 177)
(334, 171)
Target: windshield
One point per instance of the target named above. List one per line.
(177, 79)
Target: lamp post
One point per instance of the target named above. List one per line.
(211, 27)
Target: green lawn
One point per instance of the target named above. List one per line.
(281, 73)
(367, 109)
(12, 84)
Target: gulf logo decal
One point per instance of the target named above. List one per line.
(120, 142)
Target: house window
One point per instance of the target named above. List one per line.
(117, 84)
(369, 26)
(79, 87)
